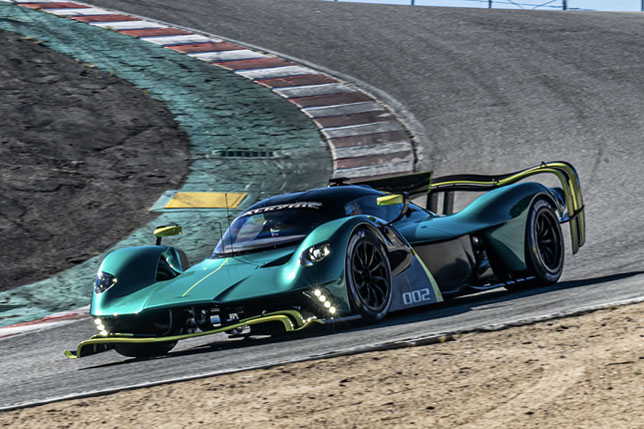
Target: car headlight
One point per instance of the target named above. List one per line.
(325, 302)
(103, 282)
(101, 327)
(315, 254)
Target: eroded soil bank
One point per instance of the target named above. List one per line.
(83, 156)
(576, 372)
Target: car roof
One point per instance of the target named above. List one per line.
(332, 195)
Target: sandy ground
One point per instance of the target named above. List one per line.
(577, 372)
(83, 156)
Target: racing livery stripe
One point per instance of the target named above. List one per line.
(356, 126)
(437, 291)
(205, 277)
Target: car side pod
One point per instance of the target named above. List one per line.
(292, 321)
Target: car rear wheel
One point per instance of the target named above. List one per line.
(368, 276)
(544, 243)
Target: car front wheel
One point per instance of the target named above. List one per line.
(368, 276)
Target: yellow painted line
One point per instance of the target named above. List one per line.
(206, 200)
(205, 277)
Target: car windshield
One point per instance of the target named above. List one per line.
(269, 227)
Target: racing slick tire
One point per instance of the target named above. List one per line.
(368, 276)
(544, 243)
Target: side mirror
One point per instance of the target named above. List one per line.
(166, 231)
(390, 200)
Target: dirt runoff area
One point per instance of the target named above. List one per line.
(576, 372)
(83, 156)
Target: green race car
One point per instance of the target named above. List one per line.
(345, 251)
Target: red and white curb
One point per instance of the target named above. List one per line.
(50, 321)
(366, 139)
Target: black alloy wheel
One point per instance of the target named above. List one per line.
(544, 243)
(368, 276)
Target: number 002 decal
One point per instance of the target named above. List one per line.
(416, 296)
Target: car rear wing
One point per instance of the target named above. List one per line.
(413, 184)
(417, 184)
(564, 171)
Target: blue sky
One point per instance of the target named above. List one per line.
(600, 5)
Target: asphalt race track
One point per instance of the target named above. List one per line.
(495, 90)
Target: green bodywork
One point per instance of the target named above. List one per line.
(278, 275)
(227, 281)
(499, 215)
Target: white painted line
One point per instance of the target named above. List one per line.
(342, 109)
(128, 25)
(380, 149)
(87, 11)
(178, 40)
(376, 170)
(362, 129)
(311, 90)
(239, 54)
(276, 72)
